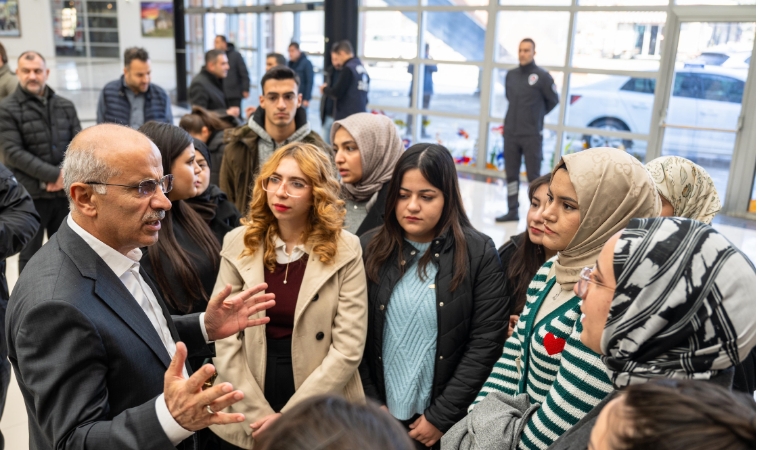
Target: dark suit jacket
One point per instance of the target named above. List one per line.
(87, 359)
(207, 91)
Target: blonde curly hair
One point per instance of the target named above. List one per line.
(325, 218)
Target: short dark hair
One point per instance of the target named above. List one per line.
(295, 44)
(281, 61)
(212, 54)
(222, 37)
(280, 73)
(342, 46)
(531, 41)
(29, 55)
(3, 55)
(133, 53)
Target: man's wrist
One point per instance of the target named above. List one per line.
(202, 319)
(174, 431)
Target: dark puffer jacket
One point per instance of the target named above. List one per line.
(472, 324)
(34, 138)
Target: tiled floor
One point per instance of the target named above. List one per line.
(483, 202)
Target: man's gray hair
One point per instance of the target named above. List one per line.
(83, 165)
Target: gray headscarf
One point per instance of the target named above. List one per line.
(379, 146)
(684, 305)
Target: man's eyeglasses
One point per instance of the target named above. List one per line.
(585, 279)
(146, 188)
(293, 188)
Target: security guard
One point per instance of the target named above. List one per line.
(532, 94)
(352, 87)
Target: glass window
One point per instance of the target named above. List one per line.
(102, 22)
(575, 142)
(716, 2)
(495, 151)
(687, 85)
(402, 121)
(109, 37)
(547, 29)
(390, 83)
(499, 101)
(622, 40)
(610, 102)
(312, 31)
(721, 88)
(622, 2)
(459, 136)
(381, 3)
(391, 34)
(535, 2)
(456, 36)
(105, 8)
(452, 88)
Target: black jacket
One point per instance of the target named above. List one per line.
(219, 213)
(374, 217)
(207, 91)
(327, 104)
(305, 71)
(472, 324)
(506, 252)
(19, 222)
(532, 94)
(34, 138)
(238, 80)
(351, 89)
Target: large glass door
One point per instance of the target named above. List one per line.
(707, 86)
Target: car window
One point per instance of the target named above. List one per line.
(721, 88)
(687, 85)
(643, 85)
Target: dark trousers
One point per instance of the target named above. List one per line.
(52, 213)
(515, 147)
(417, 444)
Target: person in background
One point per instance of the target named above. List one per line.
(237, 83)
(301, 65)
(335, 424)
(133, 100)
(593, 194)
(212, 204)
(427, 89)
(207, 88)
(531, 94)
(209, 127)
(366, 147)
(274, 60)
(438, 310)
(676, 414)
(525, 253)
(36, 127)
(8, 80)
(327, 104)
(668, 298)
(292, 240)
(19, 222)
(352, 86)
(686, 189)
(279, 121)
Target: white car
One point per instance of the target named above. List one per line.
(702, 96)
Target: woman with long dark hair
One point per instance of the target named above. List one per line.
(209, 127)
(185, 260)
(438, 306)
(525, 253)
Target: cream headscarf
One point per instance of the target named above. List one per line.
(687, 186)
(380, 147)
(612, 187)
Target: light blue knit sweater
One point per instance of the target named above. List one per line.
(409, 341)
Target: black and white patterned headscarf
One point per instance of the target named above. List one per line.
(684, 306)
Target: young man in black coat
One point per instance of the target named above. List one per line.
(207, 88)
(237, 84)
(305, 71)
(351, 89)
(36, 127)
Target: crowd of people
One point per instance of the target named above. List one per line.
(162, 311)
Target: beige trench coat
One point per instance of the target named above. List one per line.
(332, 300)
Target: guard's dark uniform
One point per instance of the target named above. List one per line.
(532, 94)
(350, 90)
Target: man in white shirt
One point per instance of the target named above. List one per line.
(99, 360)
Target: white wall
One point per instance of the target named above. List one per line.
(130, 34)
(36, 31)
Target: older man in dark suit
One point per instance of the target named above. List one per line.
(99, 360)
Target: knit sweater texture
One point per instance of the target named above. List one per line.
(547, 361)
(409, 341)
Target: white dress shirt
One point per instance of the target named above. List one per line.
(282, 257)
(127, 268)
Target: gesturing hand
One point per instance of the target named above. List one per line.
(186, 400)
(227, 316)
(260, 425)
(424, 432)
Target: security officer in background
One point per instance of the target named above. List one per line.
(352, 86)
(531, 94)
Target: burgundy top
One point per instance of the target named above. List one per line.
(282, 314)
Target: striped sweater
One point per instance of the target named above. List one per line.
(547, 361)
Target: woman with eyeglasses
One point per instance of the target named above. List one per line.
(668, 298)
(184, 262)
(592, 195)
(293, 239)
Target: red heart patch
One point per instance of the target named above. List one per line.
(553, 344)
